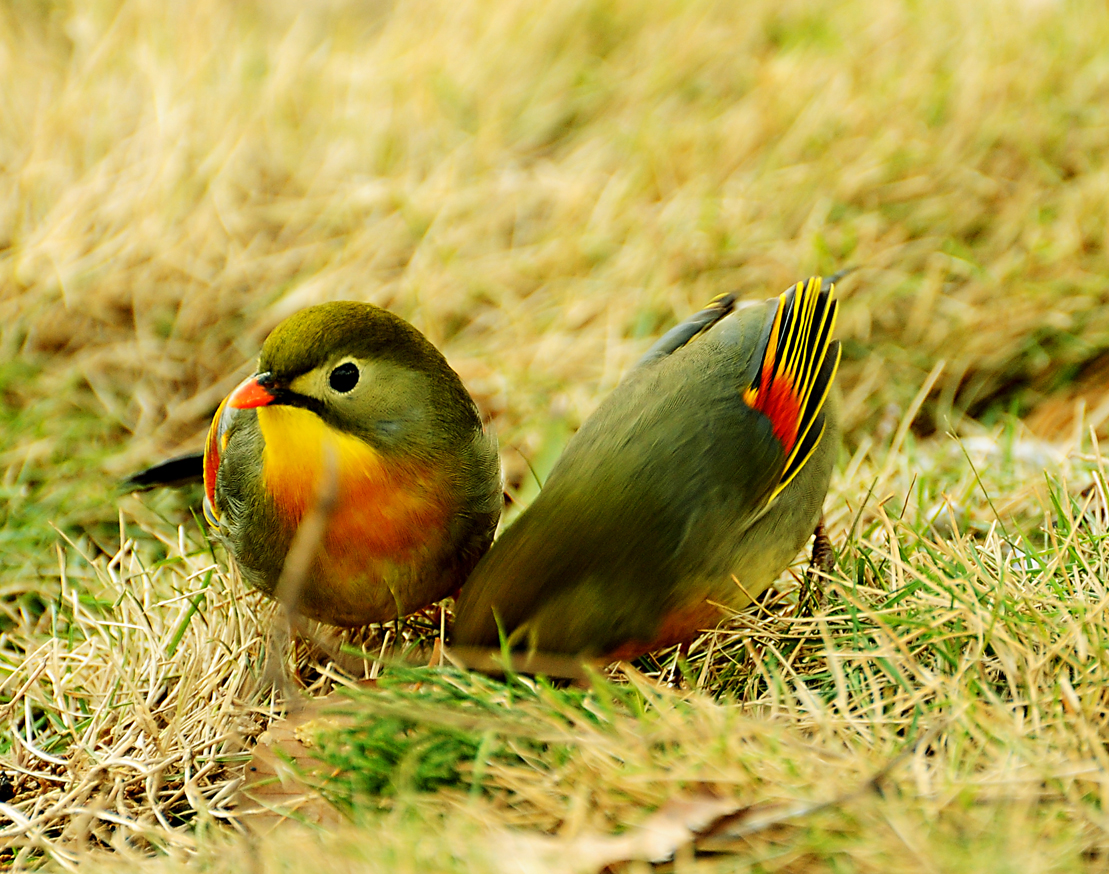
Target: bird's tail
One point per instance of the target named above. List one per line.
(180, 470)
(796, 371)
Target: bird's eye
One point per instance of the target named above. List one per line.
(344, 377)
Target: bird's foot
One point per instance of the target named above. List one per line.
(813, 595)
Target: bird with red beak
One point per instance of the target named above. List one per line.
(350, 391)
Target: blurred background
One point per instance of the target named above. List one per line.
(541, 189)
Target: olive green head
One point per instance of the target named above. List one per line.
(367, 372)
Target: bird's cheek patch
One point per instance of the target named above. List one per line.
(309, 384)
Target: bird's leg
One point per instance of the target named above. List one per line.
(437, 647)
(678, 654)
(822, 563)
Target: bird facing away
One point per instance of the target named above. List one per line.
(694, 484)
(351, 392)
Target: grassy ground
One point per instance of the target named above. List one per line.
(541, 190)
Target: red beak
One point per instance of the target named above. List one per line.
(251, 392)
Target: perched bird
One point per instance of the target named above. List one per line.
(350, 391)
(694, 484)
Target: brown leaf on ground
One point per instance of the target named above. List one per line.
(274, 790)
(662, 834)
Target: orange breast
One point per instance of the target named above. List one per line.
(385, 510)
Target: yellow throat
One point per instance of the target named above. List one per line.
(384, 506)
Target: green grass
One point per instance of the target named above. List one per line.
(542, 189)
(964, 670)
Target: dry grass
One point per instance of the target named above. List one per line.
(541, 189)
(965, 651)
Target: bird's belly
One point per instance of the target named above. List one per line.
(677, 626)
(382, 556)
(385, 535)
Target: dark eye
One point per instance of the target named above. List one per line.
(344, 377)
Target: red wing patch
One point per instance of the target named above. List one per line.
(778, 401)
(796, 371)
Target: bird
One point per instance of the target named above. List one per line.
(352, 392)
(691, 488)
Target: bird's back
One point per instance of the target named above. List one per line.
(629, 526)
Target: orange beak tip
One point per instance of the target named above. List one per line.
(251, 393)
